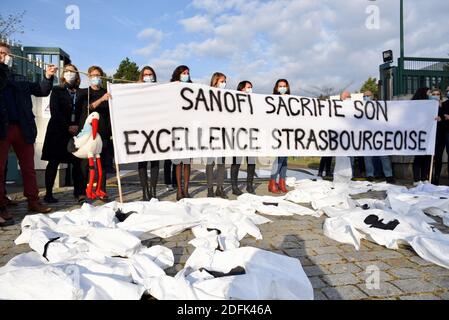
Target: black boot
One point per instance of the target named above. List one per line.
(251, 172)
(210, 193)
(143, 176)
(220, 193)
(153, 179)
(234, 180)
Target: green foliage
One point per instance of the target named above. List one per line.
(371, 85)
(127, 70)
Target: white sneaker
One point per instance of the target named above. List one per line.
(169, 189)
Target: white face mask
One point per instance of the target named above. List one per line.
(249, 90)
(70, 76)
(148, 79)
(222, 85)
(8, 61)
(282, 90)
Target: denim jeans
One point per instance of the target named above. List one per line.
(386, 165)
(280, 168)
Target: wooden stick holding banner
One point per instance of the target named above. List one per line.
(117, 166)
(431, 169)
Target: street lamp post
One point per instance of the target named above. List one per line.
(401, 64)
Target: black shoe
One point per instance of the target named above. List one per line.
(391, 180)
(236, 191)
(7, 223)
(210, 193)
(179, 196)
(220, 193)
(370, 179)
(50, 199)
(250, 189)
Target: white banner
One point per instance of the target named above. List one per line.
(182, 121)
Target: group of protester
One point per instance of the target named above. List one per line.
(70, 105)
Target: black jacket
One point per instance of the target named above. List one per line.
(3, 75)
(23, 91)
(104, 125)
(57, 136)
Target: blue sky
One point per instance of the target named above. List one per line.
(311, 43)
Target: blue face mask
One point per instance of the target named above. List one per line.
(96, 81)
(185, 78)
(283, 90)
(367, 99)
(436, 98)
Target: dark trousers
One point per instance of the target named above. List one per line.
(169, 173)
(325, 165)
(25, 155)
(441, 144)
(52, 170)
(221, 172)
(421, 168)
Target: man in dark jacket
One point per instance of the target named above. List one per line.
(18, 129)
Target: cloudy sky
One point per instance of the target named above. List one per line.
(310, 42)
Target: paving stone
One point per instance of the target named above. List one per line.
(405, 273)
(324, 250)
(312, 271)
(414, 285)
(317, 283)
(340, 279)
(420, 297)
(386, 289)
(344, 268)
(399, 263)
(420, 261)
(358, 256)
(387, 254)
(442, 282)
(319, 295)
(435, 270)
(326, 259)
(383, 276)
(344, 293)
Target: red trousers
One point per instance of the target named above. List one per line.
(25, 154)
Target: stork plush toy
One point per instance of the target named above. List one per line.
(88, 145)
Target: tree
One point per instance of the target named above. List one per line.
(370, 85)
(11, 24)
(128, 70)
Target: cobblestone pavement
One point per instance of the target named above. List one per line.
(336, 271)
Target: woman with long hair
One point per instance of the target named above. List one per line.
(441, 137)
(246, 87)
(63, 125)
(148, 75)
(282, 87)
(218, 81)
(182, 74)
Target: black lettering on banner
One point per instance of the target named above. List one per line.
(230, 140)
(406, 140)
(337, 107)
(269, 101)
(348, 140)
(226, 100)
(183, 91)
(370, 106)
(356, 107)
(284, 106)
(359, 146)
(367, 135)
(422, 141)
(241, 97)
(213, 138)
(250, 103)
(378, 143)
(276, 134)
(323, 136)
(291, 107)
(321, 106)
(305, 106)
(148, 142)
(383, 109)
(288, 132)
(413, 136)
(158, 141)
(333, 140)
(175, 138)
(399, 135)
(128, 143)
(299, 136)
(201, 98)
(312, 139)
(388, 140)
(253, 138)
(215, 99)
(200, 140)
(239, 131)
